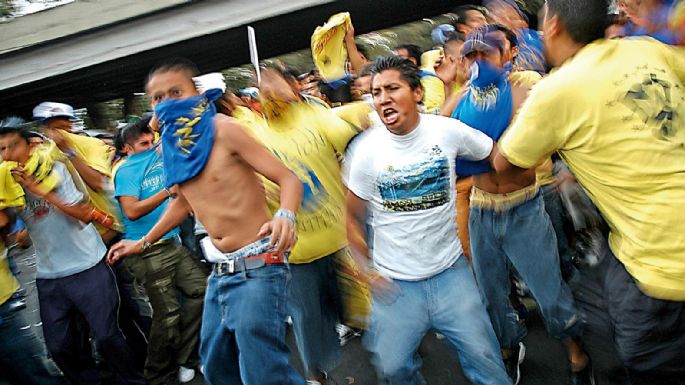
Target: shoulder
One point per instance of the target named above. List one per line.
(226, 126)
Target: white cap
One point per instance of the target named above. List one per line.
(204, 83)
(47, 110)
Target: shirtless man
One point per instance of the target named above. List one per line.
(508, 224)
(246, 245)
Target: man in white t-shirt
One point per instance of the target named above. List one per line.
(404, 175)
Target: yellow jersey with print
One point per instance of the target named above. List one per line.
(8, 284)
(309, 140)
(615, 113)
(434, 92)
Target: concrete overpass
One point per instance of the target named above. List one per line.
(97, 50)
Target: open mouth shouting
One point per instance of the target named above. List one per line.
(390, 116)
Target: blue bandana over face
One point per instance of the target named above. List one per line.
(187, 135)
(487, 107)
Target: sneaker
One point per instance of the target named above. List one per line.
(185, 374)
(312, 382)
(513, 363)
(583, 377)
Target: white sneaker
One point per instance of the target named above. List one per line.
(185, 374)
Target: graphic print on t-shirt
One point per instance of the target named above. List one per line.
(418, 186)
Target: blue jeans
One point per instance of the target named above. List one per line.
(521, 237)
(448, 302)
(242, 340)
(315, 305)
(555, 209)
(23, 358)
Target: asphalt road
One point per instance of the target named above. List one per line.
(545, 362)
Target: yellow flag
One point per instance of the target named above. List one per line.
(328, 46)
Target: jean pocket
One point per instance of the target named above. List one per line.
(530, 208)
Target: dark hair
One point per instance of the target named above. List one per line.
(133, 131)
(462, 12)
(14, 125)
(365, 70)
(408, 71)
(510, 35)
(413, 51)
(335, 95)
(180, 64)
(584, 20)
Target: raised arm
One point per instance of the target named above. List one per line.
(357, 61)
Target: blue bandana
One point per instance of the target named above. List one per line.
(487, 107)
(187, 135)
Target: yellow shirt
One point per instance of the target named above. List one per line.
(8, 284)
(616, 114)
(308, 139)
(434, 93)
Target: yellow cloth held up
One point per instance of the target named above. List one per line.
(328, 46)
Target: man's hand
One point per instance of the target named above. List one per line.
(59, 139)
(283, 234)
(382, 288)
(28, 182)
(123, 249)
(349, 34)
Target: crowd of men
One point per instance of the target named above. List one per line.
(422, 191)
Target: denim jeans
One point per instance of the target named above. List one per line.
(314, 303)
(242, 340)
(448, 302)
(23, 359)
(555, 209)
(521, 237)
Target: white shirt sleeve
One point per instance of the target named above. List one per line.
(471, 143)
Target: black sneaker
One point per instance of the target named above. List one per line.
(583, 377)
(513, 363)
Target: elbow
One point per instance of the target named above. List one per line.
(132, 214)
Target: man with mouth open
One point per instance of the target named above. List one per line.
(405, 175)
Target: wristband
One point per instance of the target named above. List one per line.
(169, 194)
(287, 214)
(70, 153)
(146, 243)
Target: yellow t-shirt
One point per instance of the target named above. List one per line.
(616, 114)
(433, 93)
(8, 284)
(308, 139)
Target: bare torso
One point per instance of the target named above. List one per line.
(227, 197)
(515, 180)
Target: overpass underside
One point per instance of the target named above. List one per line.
(112, 61)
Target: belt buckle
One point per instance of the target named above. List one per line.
(231, 266)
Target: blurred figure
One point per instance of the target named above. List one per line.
(651, 18)
(508, 224)
(314, 293)
(613, 110)
(508, 13)
(469, 17)
(23, 360)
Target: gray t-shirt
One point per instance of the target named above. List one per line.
(64, 245)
